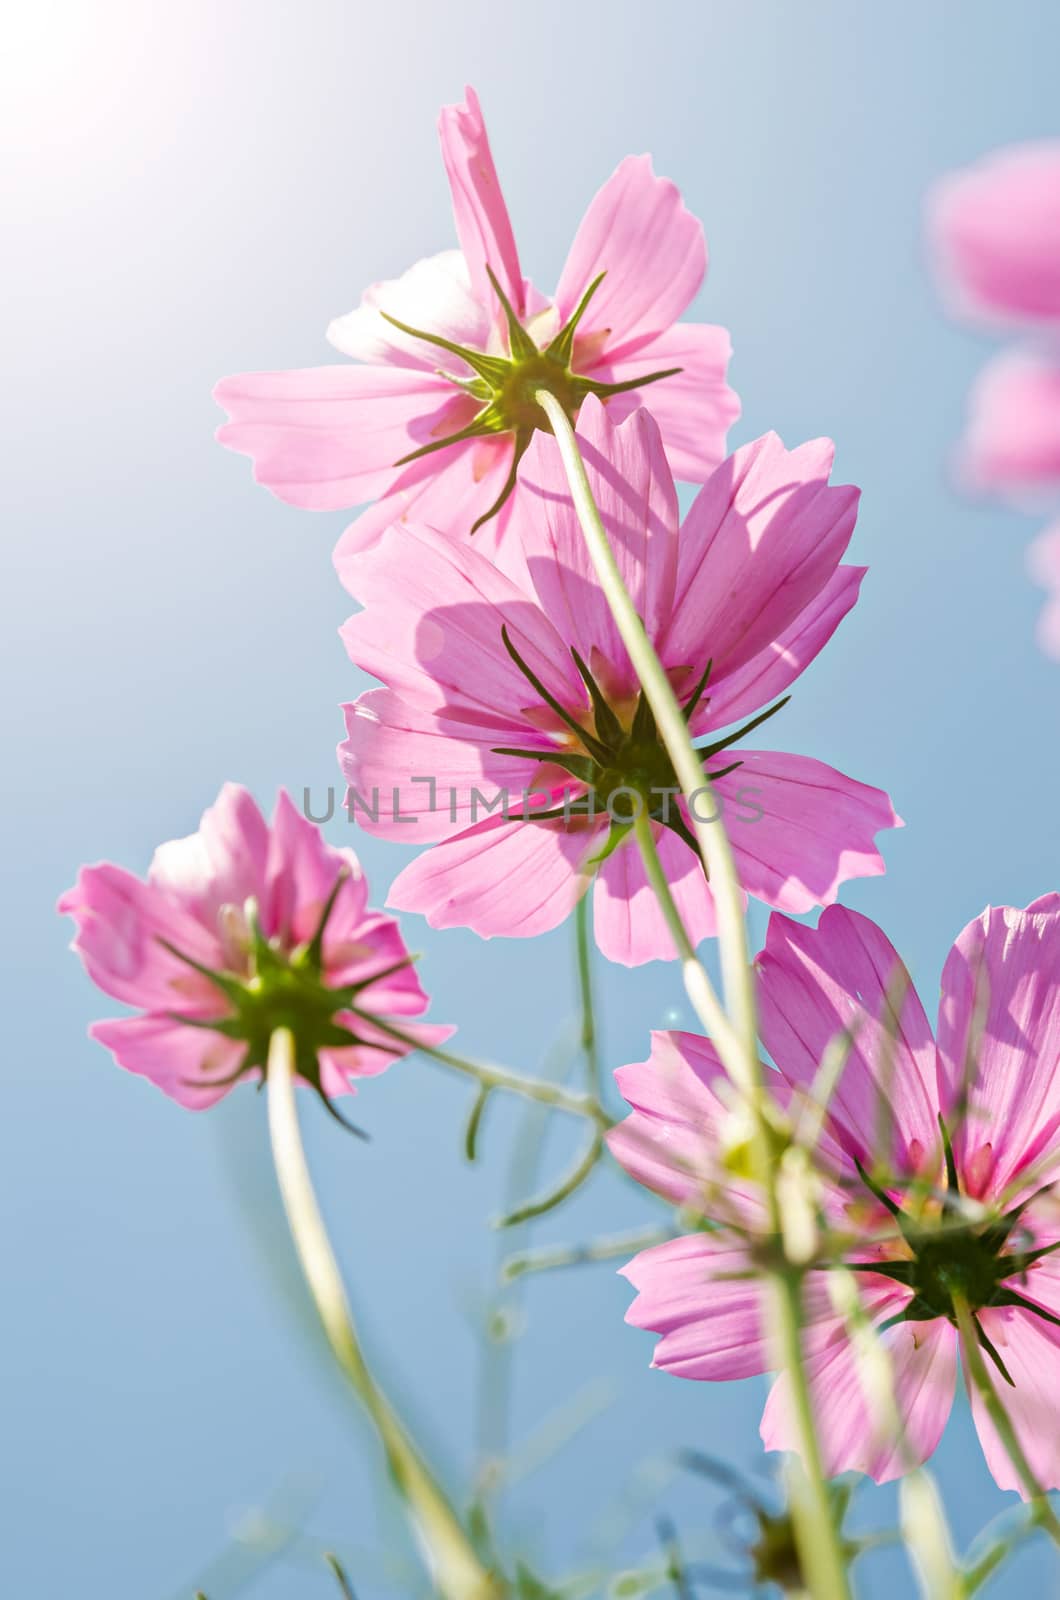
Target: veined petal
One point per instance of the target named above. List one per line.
(1030, 1349)
(924, 1361)
(629, 925)
(703, 1295)
(762, 539)
(672, 1140)
(482, 223)
(432, 627)
(735, 695)
(515, 878)
(634, 490)
(800, 829)
(329, 437)
(999, 1036)
(814, 983)
(694, 408)
(224, 863)
(450, 489)
(652, 250)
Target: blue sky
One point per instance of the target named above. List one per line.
(201, 190)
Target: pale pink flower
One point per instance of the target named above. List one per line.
(995, 229)
(502, 681)
(438, 422)
(237, 930)
(1043, 560)
(1011, 444)
(972, 1119)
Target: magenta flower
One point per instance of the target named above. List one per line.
(504, 682)
(967, 1204)
(440, 411)
(240, 929)
(995, 228)
(1043, 559)
(1011, 444)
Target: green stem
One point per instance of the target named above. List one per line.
(456, 1569)
(711, 837)
(490, 1077)
(975, 1367)
(735, 1030)
(589, 1042)
(697, 982)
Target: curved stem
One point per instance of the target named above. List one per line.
(734, 1030)
(455, 1567)
(490, 1077)
(975, 1367)
(711, 838)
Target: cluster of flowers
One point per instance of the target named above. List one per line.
(503, 672)
(995, 232)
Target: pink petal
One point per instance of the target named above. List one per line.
(923, 1358)
(762, 539)
(1043, 563)
(638, 232)
(329, 437)
(695, 408)
(800, 829)
(123, 930)
(1007, 961)
(517, 879)
(451, 494)
(633, 488)
(844, 974)
(735, 695)
(223, 864)
(671, 1142)
(1030, 1349)
(302, 872)
(995, 227)
(704, 1297)
(434, 295)
(176, 1058)
(629, 926)
(482, 221)
(1011, 445)
(418, 775)
(432, 629)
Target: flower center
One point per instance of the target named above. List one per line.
(274, 987)
(624, 766)
(506, 387)
(953, 1260)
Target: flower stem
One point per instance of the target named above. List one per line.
(711, 838)
(490, 1077)
(456, 1569)
(735, 1030)
(589, 1041)
(975, 1367)
(697, 983)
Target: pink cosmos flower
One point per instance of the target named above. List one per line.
(967, 1201)
(440, 410)
(501, 682)
(240, 929)
(1011, 444)
(995, 229)
(1043, 559)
